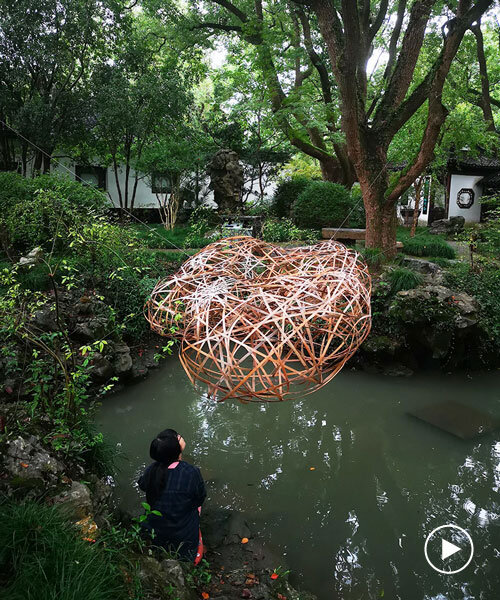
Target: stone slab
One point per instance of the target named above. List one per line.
(343, 233)
(458, 419)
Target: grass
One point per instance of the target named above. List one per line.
(156, 236)
(42, 557)
(424, 244)
(404, 279)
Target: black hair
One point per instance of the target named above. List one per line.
(164, 450)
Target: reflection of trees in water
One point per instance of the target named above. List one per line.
(365, 504)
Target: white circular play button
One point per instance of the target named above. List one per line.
(449, 549)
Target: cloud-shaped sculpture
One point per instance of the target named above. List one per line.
(261, 322)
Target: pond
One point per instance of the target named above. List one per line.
(354, 527)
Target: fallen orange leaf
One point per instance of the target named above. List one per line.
(244, 540)
(24, 465)
(205, 596)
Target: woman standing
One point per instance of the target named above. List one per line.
(176, 489)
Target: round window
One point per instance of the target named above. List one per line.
(465, 198)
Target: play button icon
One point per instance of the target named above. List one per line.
(448, 549)
(439, 550)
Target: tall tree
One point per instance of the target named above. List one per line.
(139, 96)
(47, 50)
(286, 53)
(371, 115)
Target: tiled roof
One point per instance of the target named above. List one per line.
(481, 162)
(491, 181)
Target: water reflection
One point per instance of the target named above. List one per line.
(354, 527)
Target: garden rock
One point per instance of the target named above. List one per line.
(123, 361)
(420, 265)
(226, 180)
(26, 458)
(45, 318)
(103, 369)
(165, 580)
(76, 502)
(92, 330)
(173, 572)
(102, 496)
(447, 226)
(32, 258)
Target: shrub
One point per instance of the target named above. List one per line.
(373, 257)
(43, 557)
(483, 285)
(286, 194)
(40, 211)
(427, 246)
(357, 217)
(404, 279)
(322, 204)
(205, 213)
(283, 230)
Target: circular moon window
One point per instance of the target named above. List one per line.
(465, 198)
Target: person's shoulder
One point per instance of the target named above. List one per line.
(189, 468)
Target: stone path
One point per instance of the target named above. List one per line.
(462, 250)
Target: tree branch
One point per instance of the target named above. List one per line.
(433, 83)
(218, 26)
(483, 72)
(229, 6)
(407, 60)
(377, 24)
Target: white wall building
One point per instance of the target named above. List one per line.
(468, 180)
(146, 194)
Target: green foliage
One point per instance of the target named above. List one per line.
(323, 204)
(202, 219)
(357, 218)
(488, 235)
(41, 211)
(205, 213)
(373, 257)
(483, 285)
(425, 244)
(407, 311)
(55, 378)
(283, 230)
(286, 194)
(42, 557)
(404, 279)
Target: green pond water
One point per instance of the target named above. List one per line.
(354, 528)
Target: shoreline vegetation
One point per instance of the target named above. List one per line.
(73, 283)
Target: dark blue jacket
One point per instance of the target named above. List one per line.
(177, 529)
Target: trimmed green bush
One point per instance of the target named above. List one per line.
(322, 204)
(286, 194)
(42, 557)
(428, 246)
(357, 217)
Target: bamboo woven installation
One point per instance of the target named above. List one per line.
(261, 322)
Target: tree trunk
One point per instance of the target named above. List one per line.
(37, 165)
(381, 225)
(47, 158)
(416, 209)
(332, 170)
(381, 218)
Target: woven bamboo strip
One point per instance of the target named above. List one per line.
(262, 323)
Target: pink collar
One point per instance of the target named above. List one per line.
(173, 465)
